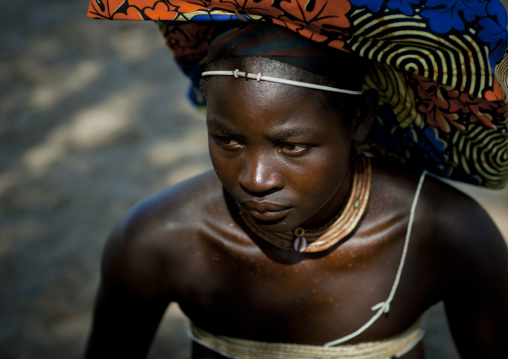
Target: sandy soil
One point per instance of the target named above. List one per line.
(92, 119)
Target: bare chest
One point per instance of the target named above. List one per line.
(253, 291)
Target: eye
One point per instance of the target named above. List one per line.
(294, 149)
(226, 142)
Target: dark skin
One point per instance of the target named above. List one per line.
(281, 145)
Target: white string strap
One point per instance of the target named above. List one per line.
(384, 307)
(259, 77)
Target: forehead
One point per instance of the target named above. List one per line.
(263, 91)
(271, 106)
(269, 67)
(257, 95)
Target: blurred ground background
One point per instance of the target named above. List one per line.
(92, 119)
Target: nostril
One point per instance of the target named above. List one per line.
(258, 185)
(257, 193)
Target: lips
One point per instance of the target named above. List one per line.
(266, 211)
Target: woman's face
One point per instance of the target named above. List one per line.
(278, 151)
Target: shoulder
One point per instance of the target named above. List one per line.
(172, 209)
(144, 247)
(438, 203)
(448, 224)
(460, 223)
(468, 244)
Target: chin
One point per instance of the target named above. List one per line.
(279, 227)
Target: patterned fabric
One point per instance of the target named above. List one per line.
(441, 67)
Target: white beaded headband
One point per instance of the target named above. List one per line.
(237, 73)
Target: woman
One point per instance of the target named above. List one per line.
(296, 237)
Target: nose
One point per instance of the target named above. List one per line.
(260, 176)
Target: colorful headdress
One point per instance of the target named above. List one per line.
(441, 67)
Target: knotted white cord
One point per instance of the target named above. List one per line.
(384, 307)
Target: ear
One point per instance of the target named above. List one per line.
(366, 113)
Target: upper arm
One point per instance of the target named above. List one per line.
(142, 267)
(475, 262)
(132, 296)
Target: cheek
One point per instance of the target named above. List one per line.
(321, 178)
(223, 165)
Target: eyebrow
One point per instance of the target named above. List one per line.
(276, 137)
(217, 125)
(291, 132)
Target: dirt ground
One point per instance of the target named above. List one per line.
(92, 119)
